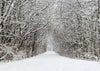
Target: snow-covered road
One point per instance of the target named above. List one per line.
(50, 61)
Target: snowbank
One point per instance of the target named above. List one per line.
(50, 61)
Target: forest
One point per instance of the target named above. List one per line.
(31, 27)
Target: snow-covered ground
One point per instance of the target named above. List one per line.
(50, 61)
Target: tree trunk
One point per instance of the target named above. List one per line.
(34, 44)
(98, 9)
(2, 24)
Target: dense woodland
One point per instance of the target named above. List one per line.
(28, 26)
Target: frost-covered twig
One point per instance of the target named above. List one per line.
(29, 32)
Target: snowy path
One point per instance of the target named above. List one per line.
(50, 61)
